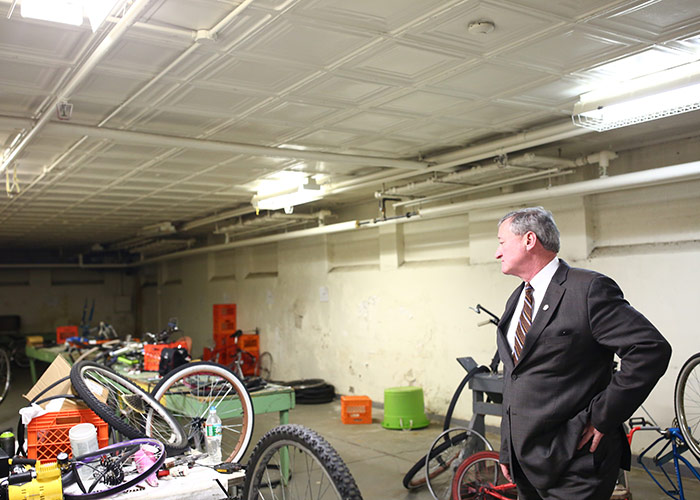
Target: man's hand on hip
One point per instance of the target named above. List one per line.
(590, 432)
(506, 472)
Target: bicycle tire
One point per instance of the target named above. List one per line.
(479, 475)
(687, 403)
(312, 462)
(174, 391)
(5, 374)
(413, 479)
(126, 407)
(464, 443)
(124, 450)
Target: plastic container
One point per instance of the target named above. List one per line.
(355, 409)
(47, 435)
(65, 332)
(151, 355)
(212, 436)
(404, 408)
(83, 439)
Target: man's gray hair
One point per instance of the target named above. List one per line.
(539, 221)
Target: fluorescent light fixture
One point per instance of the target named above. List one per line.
(649, 97)
(68, 11)
(288, 198)
(58, 11)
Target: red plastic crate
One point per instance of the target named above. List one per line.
(356, 409)
(151, 355)
(47, 435)
(224, 320)
(64, 332)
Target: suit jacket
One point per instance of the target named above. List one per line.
(564, 376)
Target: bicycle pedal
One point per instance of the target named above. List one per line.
(227, 467)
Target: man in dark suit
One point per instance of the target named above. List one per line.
(563, 407)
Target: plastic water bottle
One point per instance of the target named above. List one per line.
(213, 436)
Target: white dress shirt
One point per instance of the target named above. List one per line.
(539, 283)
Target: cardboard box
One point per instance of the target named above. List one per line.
(57, 370)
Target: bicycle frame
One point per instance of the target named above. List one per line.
(676, 441)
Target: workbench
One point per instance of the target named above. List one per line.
(273, 398)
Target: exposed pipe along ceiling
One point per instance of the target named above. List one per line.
(495, 166)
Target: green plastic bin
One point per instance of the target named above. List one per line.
(404, 408)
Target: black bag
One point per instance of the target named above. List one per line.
(171, 358)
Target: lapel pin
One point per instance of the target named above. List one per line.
(545, 307)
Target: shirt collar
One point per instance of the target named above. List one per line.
(541, 280)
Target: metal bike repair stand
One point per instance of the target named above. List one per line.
(487, 394)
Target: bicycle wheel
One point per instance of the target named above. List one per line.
(293, 462)
(449, 450)
(5, 374)
(190, 390)
(480, 477)
(687, 403)
(125, 406)
(112, 469)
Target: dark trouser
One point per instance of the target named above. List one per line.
(590, 476)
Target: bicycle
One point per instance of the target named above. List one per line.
(126, 407)
(5, 374)
(673, 438)
(111, 469)
(453, 445)
(188, 392)
(686, 402)
(480, 477)
(293, 462)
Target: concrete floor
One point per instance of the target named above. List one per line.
(377, 458)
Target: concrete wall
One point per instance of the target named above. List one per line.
(47, 298)
(383, 307)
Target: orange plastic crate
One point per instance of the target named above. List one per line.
(64, 332)
(47, 435)
(151, 355)
(356, 409)
(224, 319)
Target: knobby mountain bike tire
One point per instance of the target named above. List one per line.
(188, 392)
(479, 477)
(687, 403)
(314, 470)
(126, 407)
(105, 466)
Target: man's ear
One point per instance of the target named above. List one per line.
(530, 240)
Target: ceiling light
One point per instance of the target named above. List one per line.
(481, 27)
(288, 198)
(68, 11)
(649, 97)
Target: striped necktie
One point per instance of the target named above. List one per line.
(524, 323)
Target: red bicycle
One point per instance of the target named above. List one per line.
(479, 477)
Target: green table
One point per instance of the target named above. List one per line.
(274, 398)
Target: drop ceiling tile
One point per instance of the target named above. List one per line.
(256, 73)
(295, 112)
(327, 138)
(512, 26)
(199, 100)
(432, 132)
(194, 14)
(370, 121)
(299, 41)
(254, 132)
(569, 9)
(423, 103)
(174, 122)
(652, 19)
(568, 50)
(488, 80)
(400, 62)
(342, 90)
(648, 61)
(382, 16)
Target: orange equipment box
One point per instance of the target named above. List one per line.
(356, 409)
(64, 332)
(47, 435)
